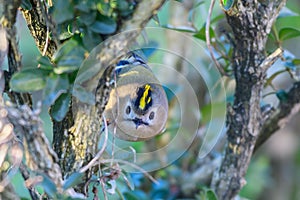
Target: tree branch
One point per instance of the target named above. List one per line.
(251, 22)
(39, 155)
(286, 110)
(40, 26)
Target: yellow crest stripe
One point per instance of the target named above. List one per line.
(144, 100)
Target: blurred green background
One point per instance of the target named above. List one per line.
(274, 172)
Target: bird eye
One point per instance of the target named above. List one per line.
(151, 116)
(128, 110)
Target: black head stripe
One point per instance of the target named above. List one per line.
(144, 98)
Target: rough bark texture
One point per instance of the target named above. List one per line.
(251, 22)
(41, 26)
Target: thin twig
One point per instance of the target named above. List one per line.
(115, 120)
(131, 165)
(270, 60)
(207, 36)
(46, 44)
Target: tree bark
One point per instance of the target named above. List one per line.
(251, 22)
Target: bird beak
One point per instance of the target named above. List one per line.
(139, 122)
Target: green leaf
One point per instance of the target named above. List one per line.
(227, 4)
(91, 39)
(127, 154)
(55, 86)
(65, 49)
(104, 25)
(132, 195)
(84, 6)
(289, 27)
(129, 181)
(63, 11)
(69, 57)
(288, 33)
(61, 106)
(288, 22)
(83, 95)
(123, 5)
(201, 33)
(282, 95)
(48, 186)
(296, 61)
(45, 63)
(269, 80)
(73, 180)
(25, 4)
(156, 19)
(206, 111)
(65, 69)
(29, 80)
(87, 18)
(65, 35)
(210, 195)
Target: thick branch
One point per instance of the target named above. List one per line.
(41, 26)
(14, 56)
(39, 155)
(251, 23)
(285, 111)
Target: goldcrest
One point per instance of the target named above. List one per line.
(137, 108)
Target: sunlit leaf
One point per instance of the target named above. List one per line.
(68, 51)
(288, 22)
(29, 80)
(288, 33)
(201, 33)
(227, 4)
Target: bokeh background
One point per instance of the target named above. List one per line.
(274, 172)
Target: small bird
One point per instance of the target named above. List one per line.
(137, 106)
